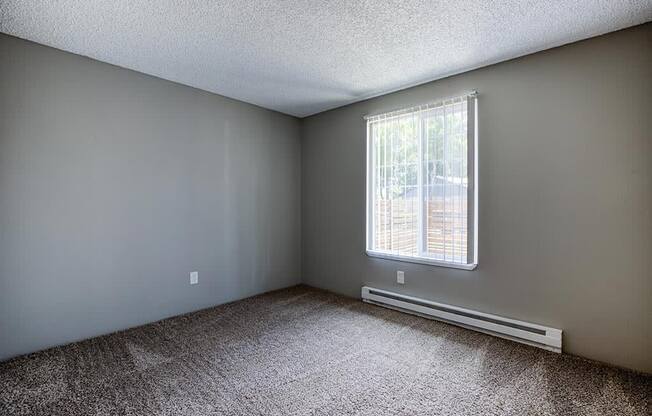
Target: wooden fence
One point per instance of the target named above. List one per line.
(396, 224)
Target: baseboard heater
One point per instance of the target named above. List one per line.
(524, 332)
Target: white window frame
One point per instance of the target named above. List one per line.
(472, 190)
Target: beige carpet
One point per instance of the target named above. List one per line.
(302, 351)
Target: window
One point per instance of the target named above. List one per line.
(421, 184)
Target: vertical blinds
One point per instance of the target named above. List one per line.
(420, 192)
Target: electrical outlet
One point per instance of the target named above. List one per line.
(194, 278)
(400, 277)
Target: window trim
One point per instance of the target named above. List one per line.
(419, 260)
(472, 198)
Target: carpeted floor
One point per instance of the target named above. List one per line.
(301, 351)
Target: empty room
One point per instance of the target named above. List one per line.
(326, 207)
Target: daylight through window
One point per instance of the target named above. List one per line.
(421, 184)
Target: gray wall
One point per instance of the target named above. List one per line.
(565, 234)
(115, 185)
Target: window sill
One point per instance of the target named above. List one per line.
(420, 260)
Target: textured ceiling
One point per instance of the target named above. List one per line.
(301, 57)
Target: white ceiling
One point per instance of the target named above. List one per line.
(301, 57)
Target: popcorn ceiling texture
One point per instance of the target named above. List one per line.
(302, 351)
(301, 57)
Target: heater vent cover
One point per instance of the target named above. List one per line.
(524, 332)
